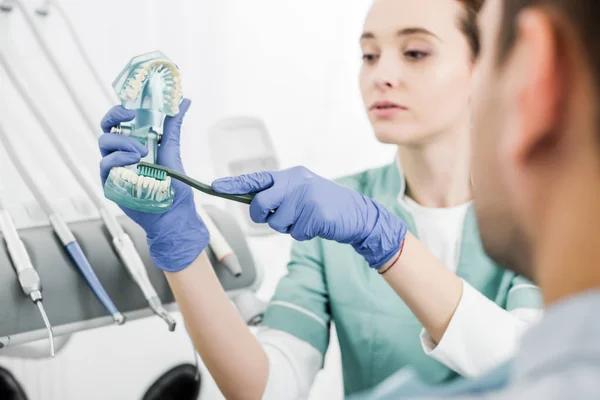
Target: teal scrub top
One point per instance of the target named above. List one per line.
(378, 334)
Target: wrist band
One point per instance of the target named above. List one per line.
(395, 261)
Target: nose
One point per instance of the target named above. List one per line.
(387, 72)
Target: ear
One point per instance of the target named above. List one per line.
(535, 85)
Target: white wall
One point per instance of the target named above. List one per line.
(292, 63)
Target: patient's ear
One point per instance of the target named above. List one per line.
(535, 83)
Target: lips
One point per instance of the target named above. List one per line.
(386, 105)
(386, 110)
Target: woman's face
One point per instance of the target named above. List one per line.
(416, 73)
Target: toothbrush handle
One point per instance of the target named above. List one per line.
(86, 270)
(240, 198)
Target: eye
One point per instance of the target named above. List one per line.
(369, 58)
(415, 54)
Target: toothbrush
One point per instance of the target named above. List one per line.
(121, 241)
(62, 231)
(158, 173)
(27, 275)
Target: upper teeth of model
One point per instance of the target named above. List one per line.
(170, 75)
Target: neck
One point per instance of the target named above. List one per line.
(568, 257)
(438, 173)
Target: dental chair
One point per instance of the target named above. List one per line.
(10, 388)
(178, 383)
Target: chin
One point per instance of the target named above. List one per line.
(390, 133)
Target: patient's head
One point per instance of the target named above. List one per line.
(536, 153)
(417, 64)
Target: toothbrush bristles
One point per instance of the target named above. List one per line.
(155, 173)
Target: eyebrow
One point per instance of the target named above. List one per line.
(404, 32)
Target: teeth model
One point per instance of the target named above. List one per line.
(150, 84)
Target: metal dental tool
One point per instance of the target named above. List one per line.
(59, 225)
(122, 242)
(26, 273)
(63, 232)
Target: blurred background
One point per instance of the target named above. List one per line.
(291, 64)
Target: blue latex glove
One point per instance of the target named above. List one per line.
(177, 237)
(305, 205)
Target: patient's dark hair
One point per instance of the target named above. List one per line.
(584, 16)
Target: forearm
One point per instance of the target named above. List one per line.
(480, 336)
(233, 355)
(429, 289)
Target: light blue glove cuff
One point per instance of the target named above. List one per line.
(385, 239)
(175, 248)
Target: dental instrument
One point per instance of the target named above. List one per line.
(223, 252)
(150, 84)
(121, 241)
(242, 145)
(62, 230)
(43, 11)
(26, 273)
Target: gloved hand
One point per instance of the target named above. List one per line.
(177, 237)
(305, 205)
